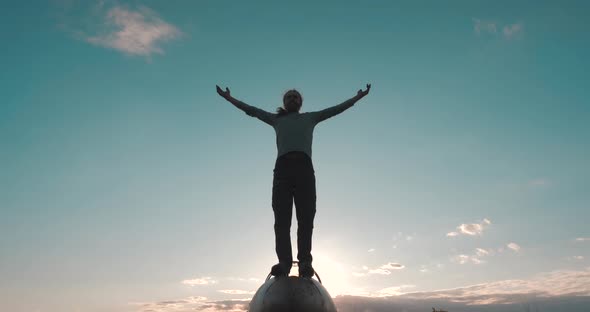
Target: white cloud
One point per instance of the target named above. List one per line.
(189, 303)
(480, 252)
(555, 283)
(475, 258)
(236, 292)
(185, 305)
(464, 259)
(382, 270)
(491, 28)
(199, 281)
(583, 239)
(379, 271)
(480, 26)
(392, 266)
(543, 286)
(371, 250)
(513, 246)
(550, 290)
(393, 291)
(134, 32)
(242, 279)
(471, 229)
(511, 31)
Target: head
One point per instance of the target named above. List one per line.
(292, 102)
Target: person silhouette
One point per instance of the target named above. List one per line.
(293, 173)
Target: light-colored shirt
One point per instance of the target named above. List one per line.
(294, 130)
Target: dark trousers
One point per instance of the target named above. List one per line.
(294, 180)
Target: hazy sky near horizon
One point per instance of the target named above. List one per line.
(125, 179)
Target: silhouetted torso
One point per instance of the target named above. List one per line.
(294, 131)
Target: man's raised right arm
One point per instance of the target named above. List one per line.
(248, 109)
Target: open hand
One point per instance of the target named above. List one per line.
(362, 93)
(224, 94)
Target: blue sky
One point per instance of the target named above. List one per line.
(127, 181)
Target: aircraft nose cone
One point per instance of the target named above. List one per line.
(292, 294)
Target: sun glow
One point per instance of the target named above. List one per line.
(335, 275)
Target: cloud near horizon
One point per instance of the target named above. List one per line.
(199, 281)
(547, 286)
(236, 292)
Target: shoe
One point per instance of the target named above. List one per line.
(306, 270)
(279, 269)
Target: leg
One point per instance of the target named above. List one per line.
(305, 203)
(282, 205)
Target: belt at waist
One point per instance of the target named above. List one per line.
(294, 155)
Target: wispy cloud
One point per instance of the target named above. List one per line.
(132, 30)
(393, 291)
(495, 28)
(242, 279)
(512, 30)
(379, 271)
(236, 292)
(189, 304)
(476, 257)
(569, 284)
(480, 252)
(385, 269)
(225, 306)
(555, 283)
(464, 259)
(471, 229)
(583, 239)
(480, 26)
(192, 302)
(513, 246)
(393, 266)
(425, 268)
(199, 281)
